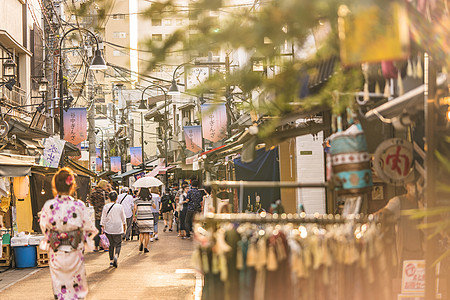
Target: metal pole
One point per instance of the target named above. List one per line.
(61, 78)
(166, 121)
(142, 140)
(430, 175)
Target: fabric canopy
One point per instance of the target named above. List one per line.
(127, 173)
(159, 170)
(11, 167)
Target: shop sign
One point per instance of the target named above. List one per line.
(193, 138)
(413, 277)
(214, 122)
(190, 160)
(53, 148)
(393, 161)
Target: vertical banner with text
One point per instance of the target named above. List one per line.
(136, 155)
(214, 122)
(75, 125)
(193, 137)
(116, 164)
(98, 160)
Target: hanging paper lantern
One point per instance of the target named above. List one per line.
(21, 187)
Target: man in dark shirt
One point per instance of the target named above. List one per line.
(194, 198)
(97, 199)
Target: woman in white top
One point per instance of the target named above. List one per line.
(113, 223)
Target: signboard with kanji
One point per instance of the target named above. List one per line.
(193, 138)
(214, 122)
(75, 125)
(413, 277)
(53, 148)
(393, 161)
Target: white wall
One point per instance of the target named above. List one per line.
(310, 169)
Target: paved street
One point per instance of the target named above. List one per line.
(163, 273)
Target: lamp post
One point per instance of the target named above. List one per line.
(142, 108)
(98, 63)
(165, 122)
(173, 90)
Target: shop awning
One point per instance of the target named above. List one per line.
(11, 167)
(159, 170)
(71, 150)
(79, 168)
(127, 173)
(412, 100)
(23, 131)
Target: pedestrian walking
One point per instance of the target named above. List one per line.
(144, 217)
(98, 199)
(194, 198)
(183, 205)
(157, 201)
(208, 205)
(127, 202)
(113, 224)
(167, 209)
(68, 229)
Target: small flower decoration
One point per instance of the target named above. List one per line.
(69, 180)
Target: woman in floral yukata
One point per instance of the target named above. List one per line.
(67, 228)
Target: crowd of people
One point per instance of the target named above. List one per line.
(117, 214)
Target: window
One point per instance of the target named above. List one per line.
(167, 22)
(156, 37)
(120, 35)
(179, 22)
(156, 22)
(118, 16)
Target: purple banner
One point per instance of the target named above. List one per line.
(98, 164)
(136, 155)
(214, 122)
(75, 125)
(116, 164)
(193, 137)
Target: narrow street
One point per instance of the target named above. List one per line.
(163, 273)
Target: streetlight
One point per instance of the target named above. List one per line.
(173, 90)
(98, 63)
(142, 104)
(142, 108)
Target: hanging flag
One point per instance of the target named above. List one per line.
(98, 164)
(136, 155)
(214, 122)
(53, 148)
(75, 125)
(116, 164)
(193, 137)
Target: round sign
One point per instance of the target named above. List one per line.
(4, 128)
(393, 161)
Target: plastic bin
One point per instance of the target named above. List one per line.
(25, 256)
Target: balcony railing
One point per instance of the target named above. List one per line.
(15, 97)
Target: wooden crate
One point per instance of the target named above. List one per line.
(41, 257)
(5, 260)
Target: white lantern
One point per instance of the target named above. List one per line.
(21, 187)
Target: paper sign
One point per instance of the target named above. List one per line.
(53, 148)
(413, 277)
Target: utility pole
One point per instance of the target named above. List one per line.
(228, 95)
(91, 121)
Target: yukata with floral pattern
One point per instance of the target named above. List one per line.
(60, 216)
